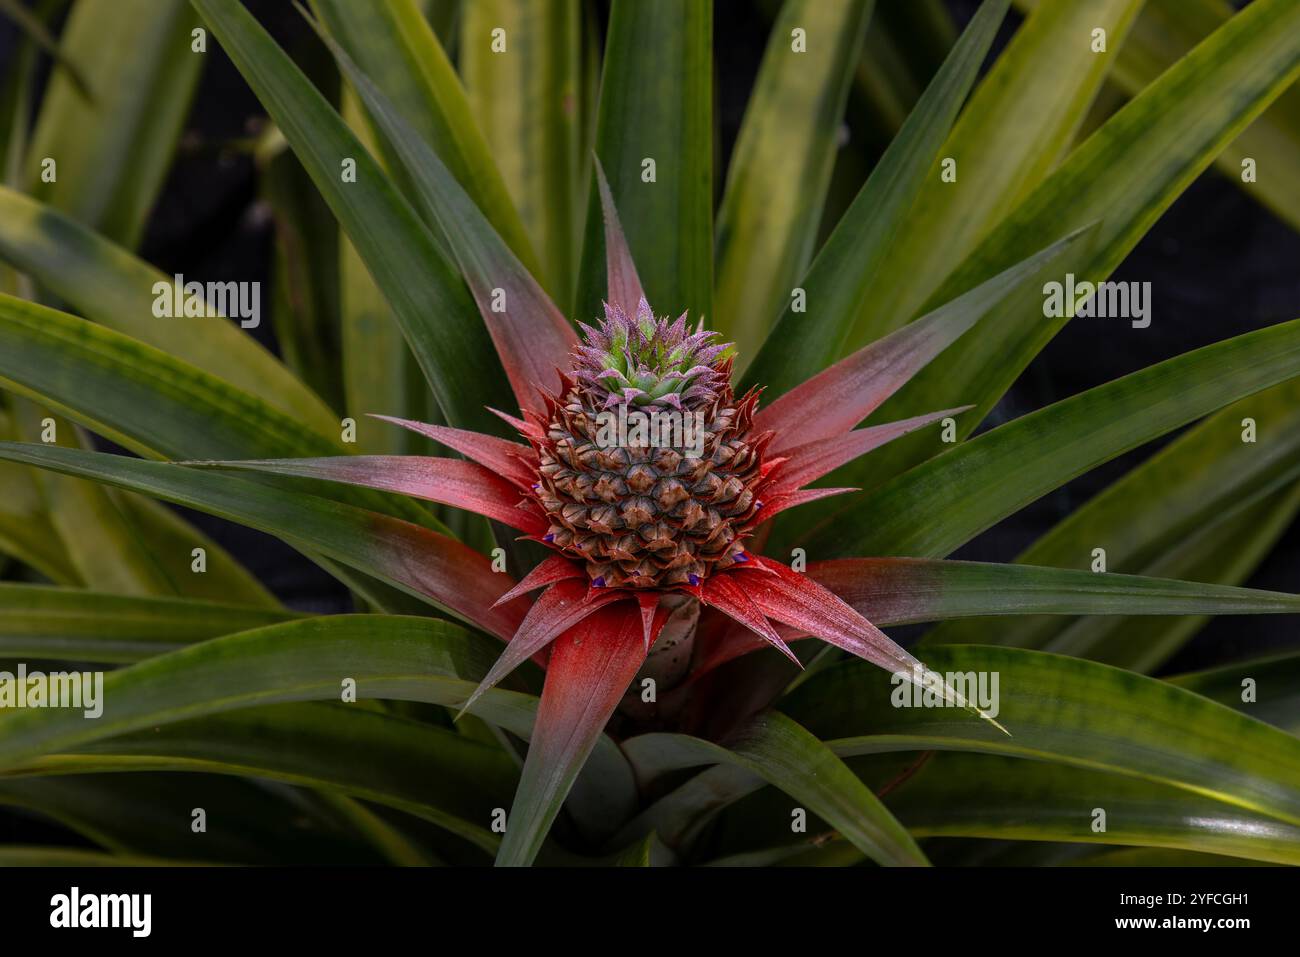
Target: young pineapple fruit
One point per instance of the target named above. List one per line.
(666, 505)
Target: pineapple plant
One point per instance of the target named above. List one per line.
(594, 472)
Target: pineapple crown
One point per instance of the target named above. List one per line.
(645, 361)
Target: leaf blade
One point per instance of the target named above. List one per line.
(108, 285)
(454, 352)
(528, 103)
(766, 230)
(1162, 140)
(1054, 708)
(419, 562)
(113, 151)
(777, 749)
(1031, 102)
(56, 623)
(395, 46)
(838, 281)
(1100, 423)
(656, 104)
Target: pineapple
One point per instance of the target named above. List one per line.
(644, 512)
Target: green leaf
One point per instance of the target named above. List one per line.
(1154, 857)
(1266, 689)
(968, 795)
(428, 297)
(26, 532)
(1065, 711)
(1191, 491)
(250, 822)
(108, 285)
(781, 752)
(531, 336)
(172, 540)
(529, 103)
(640, 853)
(681, 814)
(389, 657)
(113, 151)
(946, 501)
(135, 394)
(1164, 32)
(34, 855)
(1126, 175)
(1030, 104)
(72, 624)
(443, 16)
(32, 24)
(1009, 801)
(379, 371)
(906, 45)
(304, 301)
(101, 539)
(412, 559)
(436, 774)
(656, 103)
(1226, 551)
(393, 44)
(397, 847)
(900, 591)
(833, 853)
(148, 402)
(17, 81)
(839, 284)
(29, 532)
(781, 165)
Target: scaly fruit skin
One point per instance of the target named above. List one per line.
(644, 514)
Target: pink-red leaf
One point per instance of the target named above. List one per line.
(838, 398)
(802, 603)
(798, 601)
(624, 284)
(810, 461)
(466, 485)
(731, 640)
(552, 569)
(783, 500)
(408, 556)
(591, 666)
(648, 602)
(730, 597)
(890, 589)
(558, 608)
(531, 335)
(445, 570)
(502, 456)
(529, 429)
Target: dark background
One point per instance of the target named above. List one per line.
(1219, 265)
